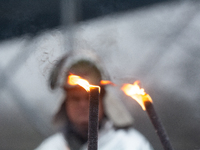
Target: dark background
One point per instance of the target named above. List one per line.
(32, 16)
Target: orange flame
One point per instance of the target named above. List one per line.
(105, 82)
(77, 80)
(137, 93)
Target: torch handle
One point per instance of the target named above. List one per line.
(158, 125)
(93, 119)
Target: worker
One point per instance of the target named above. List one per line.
(116, 130)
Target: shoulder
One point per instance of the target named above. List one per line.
(133, 138)
(54, 142)
(124, 139)
(134, 135)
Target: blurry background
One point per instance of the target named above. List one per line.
(154, 41)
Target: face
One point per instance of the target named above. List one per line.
(77, 108)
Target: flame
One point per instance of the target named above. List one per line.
(105, 82)
(137, 93)
(77, 80)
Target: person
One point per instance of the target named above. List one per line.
(115, 122)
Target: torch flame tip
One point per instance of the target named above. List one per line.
(77, 80)
(106, 82)
(137, 93)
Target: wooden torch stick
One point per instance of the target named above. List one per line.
(157, 125)
(93, 118)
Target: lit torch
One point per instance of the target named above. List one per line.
(94, 91)
(134, 91)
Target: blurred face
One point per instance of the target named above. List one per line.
(77, 108)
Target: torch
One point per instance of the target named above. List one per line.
(94, 92)
(137, 93)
